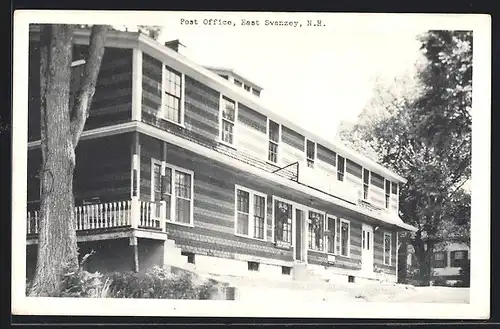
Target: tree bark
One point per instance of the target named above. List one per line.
(57, 245)
(57, 248)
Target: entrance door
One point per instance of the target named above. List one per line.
(367, 248)
(300, 251)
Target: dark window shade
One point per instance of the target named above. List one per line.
(353, 168)
(377, 180)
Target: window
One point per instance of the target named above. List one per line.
(282, 221)
(394, 188)
(255, 92)
(310, 153)
(250, 213)
(286, 270)
(274, 137)
(330, 235)
(387, 248)
(238, 83)
(439, 259)
(459, 258)
(157, 185)
(224, 76)
(316, 231)
(387, 193)
(344, 238)
(366, 183)
(171, 97)
(247, 87)
(228, 116)
(189, 255)
(179, 202)
(253, 266)
(340, 168)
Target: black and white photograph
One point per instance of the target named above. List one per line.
(254, 164)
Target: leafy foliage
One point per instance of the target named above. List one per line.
(423, 132)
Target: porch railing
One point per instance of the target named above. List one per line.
(133, 213)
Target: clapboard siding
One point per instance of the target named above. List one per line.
(289, 154)
(292, 138)
(252, 118)
(112, 100)
(379, 251)
(251, 141)
(353, 262)
(201, 109)
(201, 104)
(213, 231)
(109, 177)
(326, 155)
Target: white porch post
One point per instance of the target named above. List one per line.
(136, 84)
(135, 210)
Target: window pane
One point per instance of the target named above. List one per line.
(183, 211)
(283, 221)
(273, 131)
(330, 244)
(242, 224)
(183, 185)
(316, 231)
(273, 152)
(387, 249)
(243, 201)
(259, 215)
(228, 109)
(167, 182)
(311, 146)
(345, 238)
(227, 132)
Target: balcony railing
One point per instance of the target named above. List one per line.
(132, 213)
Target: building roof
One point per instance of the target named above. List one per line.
(235, 74)
(137, 39)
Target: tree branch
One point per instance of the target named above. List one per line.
(86, 91)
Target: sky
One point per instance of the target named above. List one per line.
(314, 76)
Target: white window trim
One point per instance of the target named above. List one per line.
(251, 218)
(324, 227)
(315, 152)
(235, 133)
(334, 234)
(279, 143)
(172, 195)
(363, 184)
(388, 206)
(338, 167)
(161, 113)
(390, 249)
(295, 205)
(162, 172)
(342, 220)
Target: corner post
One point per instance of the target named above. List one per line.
(135, 251)
(136, 84)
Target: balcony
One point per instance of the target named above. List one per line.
(327, 183)
(133, 214)
(320, 180)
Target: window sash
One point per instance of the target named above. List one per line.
(172, 94)
(283, 224)
(316, 231)
(250, 213)
(179, 202)
(345, 231)
(387, 249)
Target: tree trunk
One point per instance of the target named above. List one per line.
(57, 248)
(423, 252)
(61, 128)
